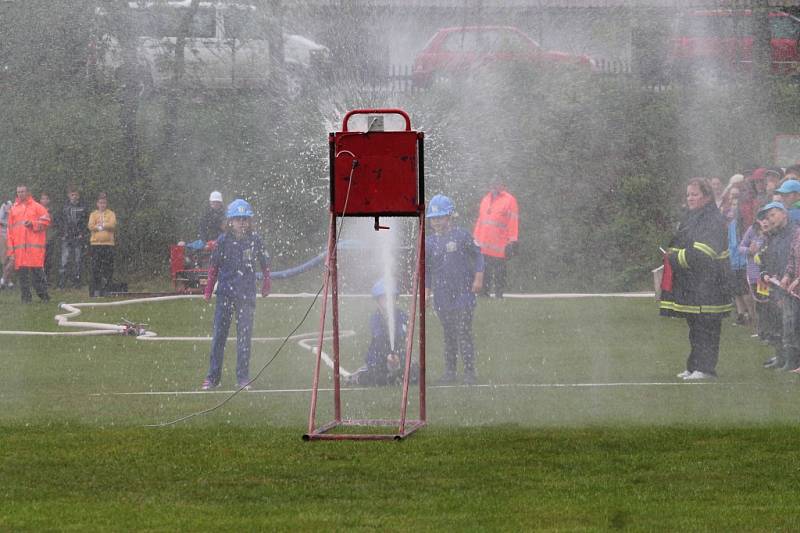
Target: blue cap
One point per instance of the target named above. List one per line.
(379, 289)
(788, 186)
(772, 205)
(239, 208)
(440, 206)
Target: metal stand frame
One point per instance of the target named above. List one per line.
(404, 426)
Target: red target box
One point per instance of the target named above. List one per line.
(376, 173)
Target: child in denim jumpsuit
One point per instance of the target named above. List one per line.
(238, 253)
(453, 273)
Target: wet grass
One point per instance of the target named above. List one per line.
(508, 478)
(578, 424)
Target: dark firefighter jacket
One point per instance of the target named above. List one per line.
(700, 266)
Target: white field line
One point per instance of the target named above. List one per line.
(304, 340)
(568, 295)
(483, 386)
(525, 296)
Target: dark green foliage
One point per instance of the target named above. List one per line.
(567, 144)
(44, 44)
(597, 162)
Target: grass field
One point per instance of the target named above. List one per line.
(578, 424)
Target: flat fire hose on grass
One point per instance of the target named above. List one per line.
(139, 331)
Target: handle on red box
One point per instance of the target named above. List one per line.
(379, 111)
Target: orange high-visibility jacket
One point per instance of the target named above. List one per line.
(497, 224)
(27, 244)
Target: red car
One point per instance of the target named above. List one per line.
(724, 38)
(457, 49)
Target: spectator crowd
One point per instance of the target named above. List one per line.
(33, 232)
(760, 209)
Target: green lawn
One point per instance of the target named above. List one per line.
(578, 424)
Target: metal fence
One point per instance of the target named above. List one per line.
(399, 78)
(612, 66)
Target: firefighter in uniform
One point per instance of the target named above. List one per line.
(700, 270)
(496, 232)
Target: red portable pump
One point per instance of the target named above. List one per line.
(373, 174)
(189, 268)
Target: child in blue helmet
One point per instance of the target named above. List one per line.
(384, 361)
(239, 253)
(453, 273)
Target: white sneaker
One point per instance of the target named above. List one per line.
(683, 375)
(697, 375)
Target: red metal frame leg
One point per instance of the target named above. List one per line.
(412, 314)
(315, 384)
(423, 304)
(337, 393)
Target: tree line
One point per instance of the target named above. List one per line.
(597, 163)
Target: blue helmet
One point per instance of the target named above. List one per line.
(379, 289)
(440, 206)
(239, 208)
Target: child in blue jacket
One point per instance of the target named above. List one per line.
(239, 253)
(384, 359)
(453, 274)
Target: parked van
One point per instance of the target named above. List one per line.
(724, 38)
(226, 46)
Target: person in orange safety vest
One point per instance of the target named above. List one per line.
(26, 240)
(496, 233)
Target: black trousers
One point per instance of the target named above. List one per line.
(458, 340)
(49, 257)
(102, 269)
(770, 324)
(24, 277)
(494, 275)
(704, 332)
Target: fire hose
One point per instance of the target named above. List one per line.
(140, 331)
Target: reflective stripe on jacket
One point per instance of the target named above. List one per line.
(497, 224)
(27, 244)
(701, 268)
